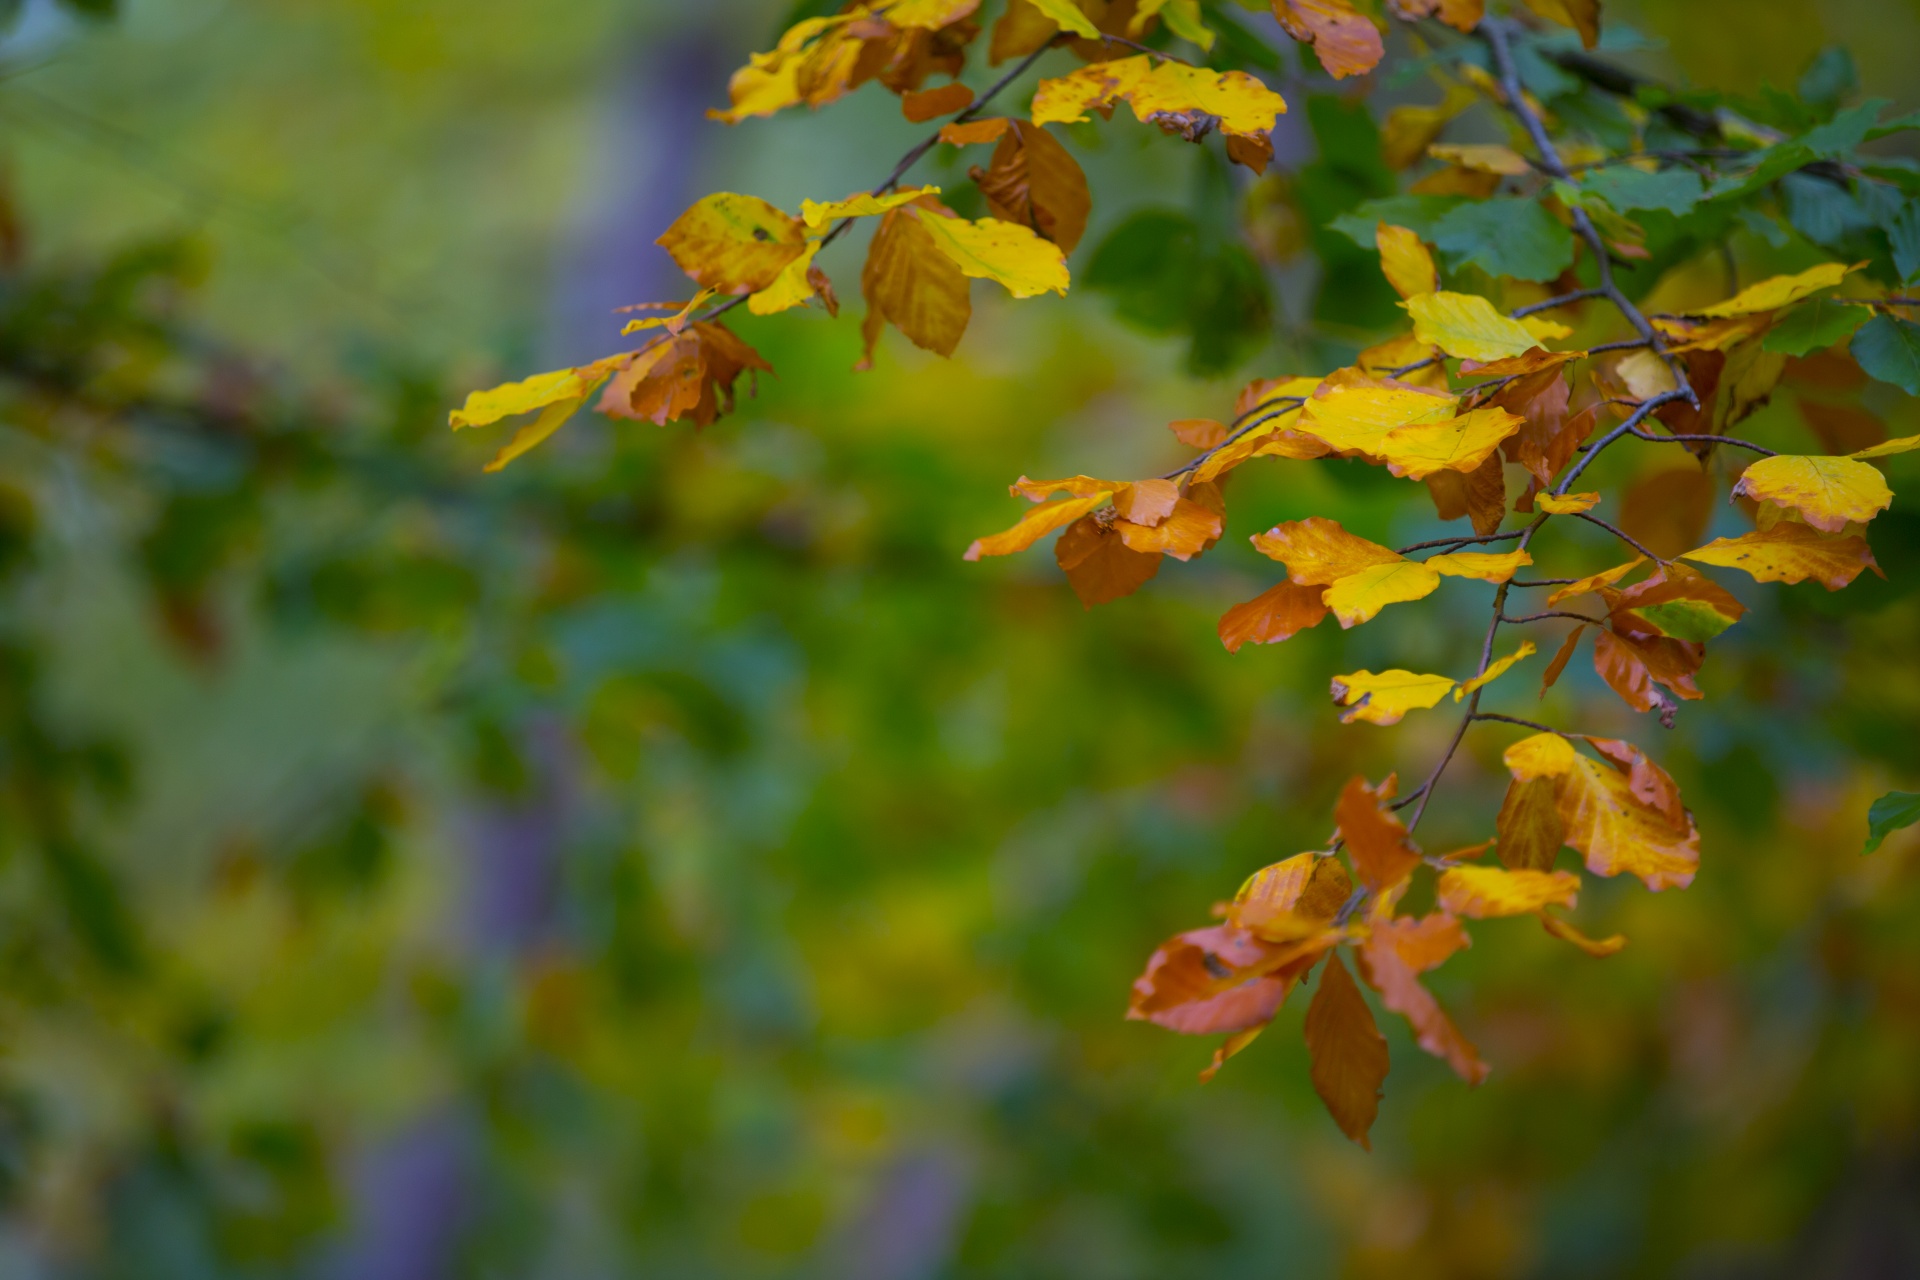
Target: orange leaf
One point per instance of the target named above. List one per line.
(688, 376)
(1099, 565)
(1560, 659)
(1277, 614)
(1393, 956)
(1582, 15)
(1188, 531)
(1605, 578)
(973, 131)
(1618, 833)
(1376, 838)
(1485, 892)
(1318, 552)
(1349, 1053)
(1632, 666)
(931, 104)
(1348, 43)
(1035, 525)
(1292, 900)
(1033, 181)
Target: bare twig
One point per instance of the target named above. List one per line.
(1525, 724)
(1556, 613)
(1735, 441)
(1624, 536)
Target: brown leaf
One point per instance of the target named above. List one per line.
(1530, 828)
(691, 375)
(1277, 614)
(1618, 833)
(1651, 785)
(1393, 956)
(1208, 981)
(1291, 900)
(1560, 659)
(1021, 30)
(909, 283)
(1034, 181)
(1189, 530)
(1348, 43)
(1669, 511)
(1542, 446)
(1349, 1053)
(931, 104)
(1632, 667)
(1199, 433)
(1376, 838)
(1099, 565)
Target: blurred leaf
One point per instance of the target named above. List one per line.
(1892, 812)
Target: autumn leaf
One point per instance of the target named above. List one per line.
(483, 408)
(1467, 326)
(1495, 670)
(1359, 597)
(691, 375)
(1068, 16)
(931, 104)
(1182, 17)
(1210, 981)
(1487, 566)
(1458, 444)
(1780, 291)
(1593, 582)
(734, 243)
(817, 214)
(1292, 900)
(1405, 261)
(1599, 948)
(1461, 15)
(1357, 415)
(1481, 893)
(1829, 493)
(1567, 505)
(1099, 565)
(1278, 613)
(1033, 181)
(1633, 665)
(1376, 838)
(911, 284)
(1349, 1055)
(1035, 525)
(1318, 552)
(1582, 15)
(1605, 820)
(1483, 157)
(1004, 252)
(1529, 826)
(1346, 41)
(1790, 552)
(1386, 698)
(1395, 953)
(1176, 97)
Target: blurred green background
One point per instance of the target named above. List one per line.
(667, 858)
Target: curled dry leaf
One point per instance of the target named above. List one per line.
(1035, 525)
(1495, 670)
(690, 375)
(1034, 182)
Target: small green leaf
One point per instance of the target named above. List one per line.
(1889, 349)
(1890, 813)
(1675, 191)
(1690, 620)
(1815, 326)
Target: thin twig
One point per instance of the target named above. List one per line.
(1555, 613)
(1564, 300)
(1463, 542)
(1634, 419)
(1544, 582)
(1624, 536)
(1525, 724)
(1194, 463)
(1735, 441)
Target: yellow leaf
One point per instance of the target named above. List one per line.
(1291, 900)
(1905, 444)
(485, 407)
(1070, 18)
(1571, 504)
(1790, 552)
(1645, 374)
(791, 288)
(1460, 444)
(1619, 833)
(926, 15)
(1597, 947)
(1467, 326)
(1545, 330)
(1405, 261)
(1544, 755)
(1358, 417)
(1780, 291)
(1482, 157)
(555, 416)
(673, 324)
(1482, 893)
(1035, 525)
(1386, 698)
(771, 81)
(1318, 552)
(1829, 493)
(1494, 672)
(1005, 252)
(1485, 565)
(734, 243)
(859, 205)
(1592, 583)
(1167, 93)
(1358, 597)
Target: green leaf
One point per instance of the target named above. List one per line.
(1830, 78)
(1890, 813)
(1845, 131)
(1418, 214)
(1675, 191)
(1815, 326)
(1903, 237)
(1823, 212)
(1510, 236)
(1889, 349)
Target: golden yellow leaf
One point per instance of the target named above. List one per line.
(1545, 330)
(1790, 552)
(734, 243)
(1482, 157)
(1467, 326)
(1318, 552)
(1582, 15)
(1544, 755)
(1068, 15)
(1597, 947)
(1780, 291)
(536, 432)
(1645, 374)
(1829, 493)
(1035, 525)
(1571, 504)
(817, 214)
(1487, 566)
(1905, 444)
(1358, 597)
(674, 324)
(793, 287)
(1482, 893)
(1593, 582)
(910, 283)
(1358, 416)
(927, 15)
(1495, 671)
(1004, 252)
(1405, 261)
(1169, 94)
(1619, 833)
(1292, 900)
(1349, 1055)
(1386, 698)
(1458, 444)
(771, 81)
(538, 392)
(1409, 130)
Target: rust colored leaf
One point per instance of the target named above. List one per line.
(1292, 900)
(1669, 511)
(1199, 433)
(974, 131)
(1651, 785)
(1021, 30)
(1188, 531)
(1034, 181)
(931, 104)
(1545, 443)
(1619, 833)
(1461, 15)
(1277, 614)
(909, 283)
(1208, 981)
(1348, 43)
(1376, 838)
(1349, 1053)
(1230, 1047)
(1633, 666)
(688, 376)
(1391, 960)
(1529, 825)
(1098, 563)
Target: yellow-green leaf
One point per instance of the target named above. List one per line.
(1466, 325)
(1780, 291)
(817, 214)
(1359, 597)
(1070, 18)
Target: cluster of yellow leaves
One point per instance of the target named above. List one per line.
(1359, 578)
(1386, 698)
(1623, 813)
(820, 60)
(1190, 101)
